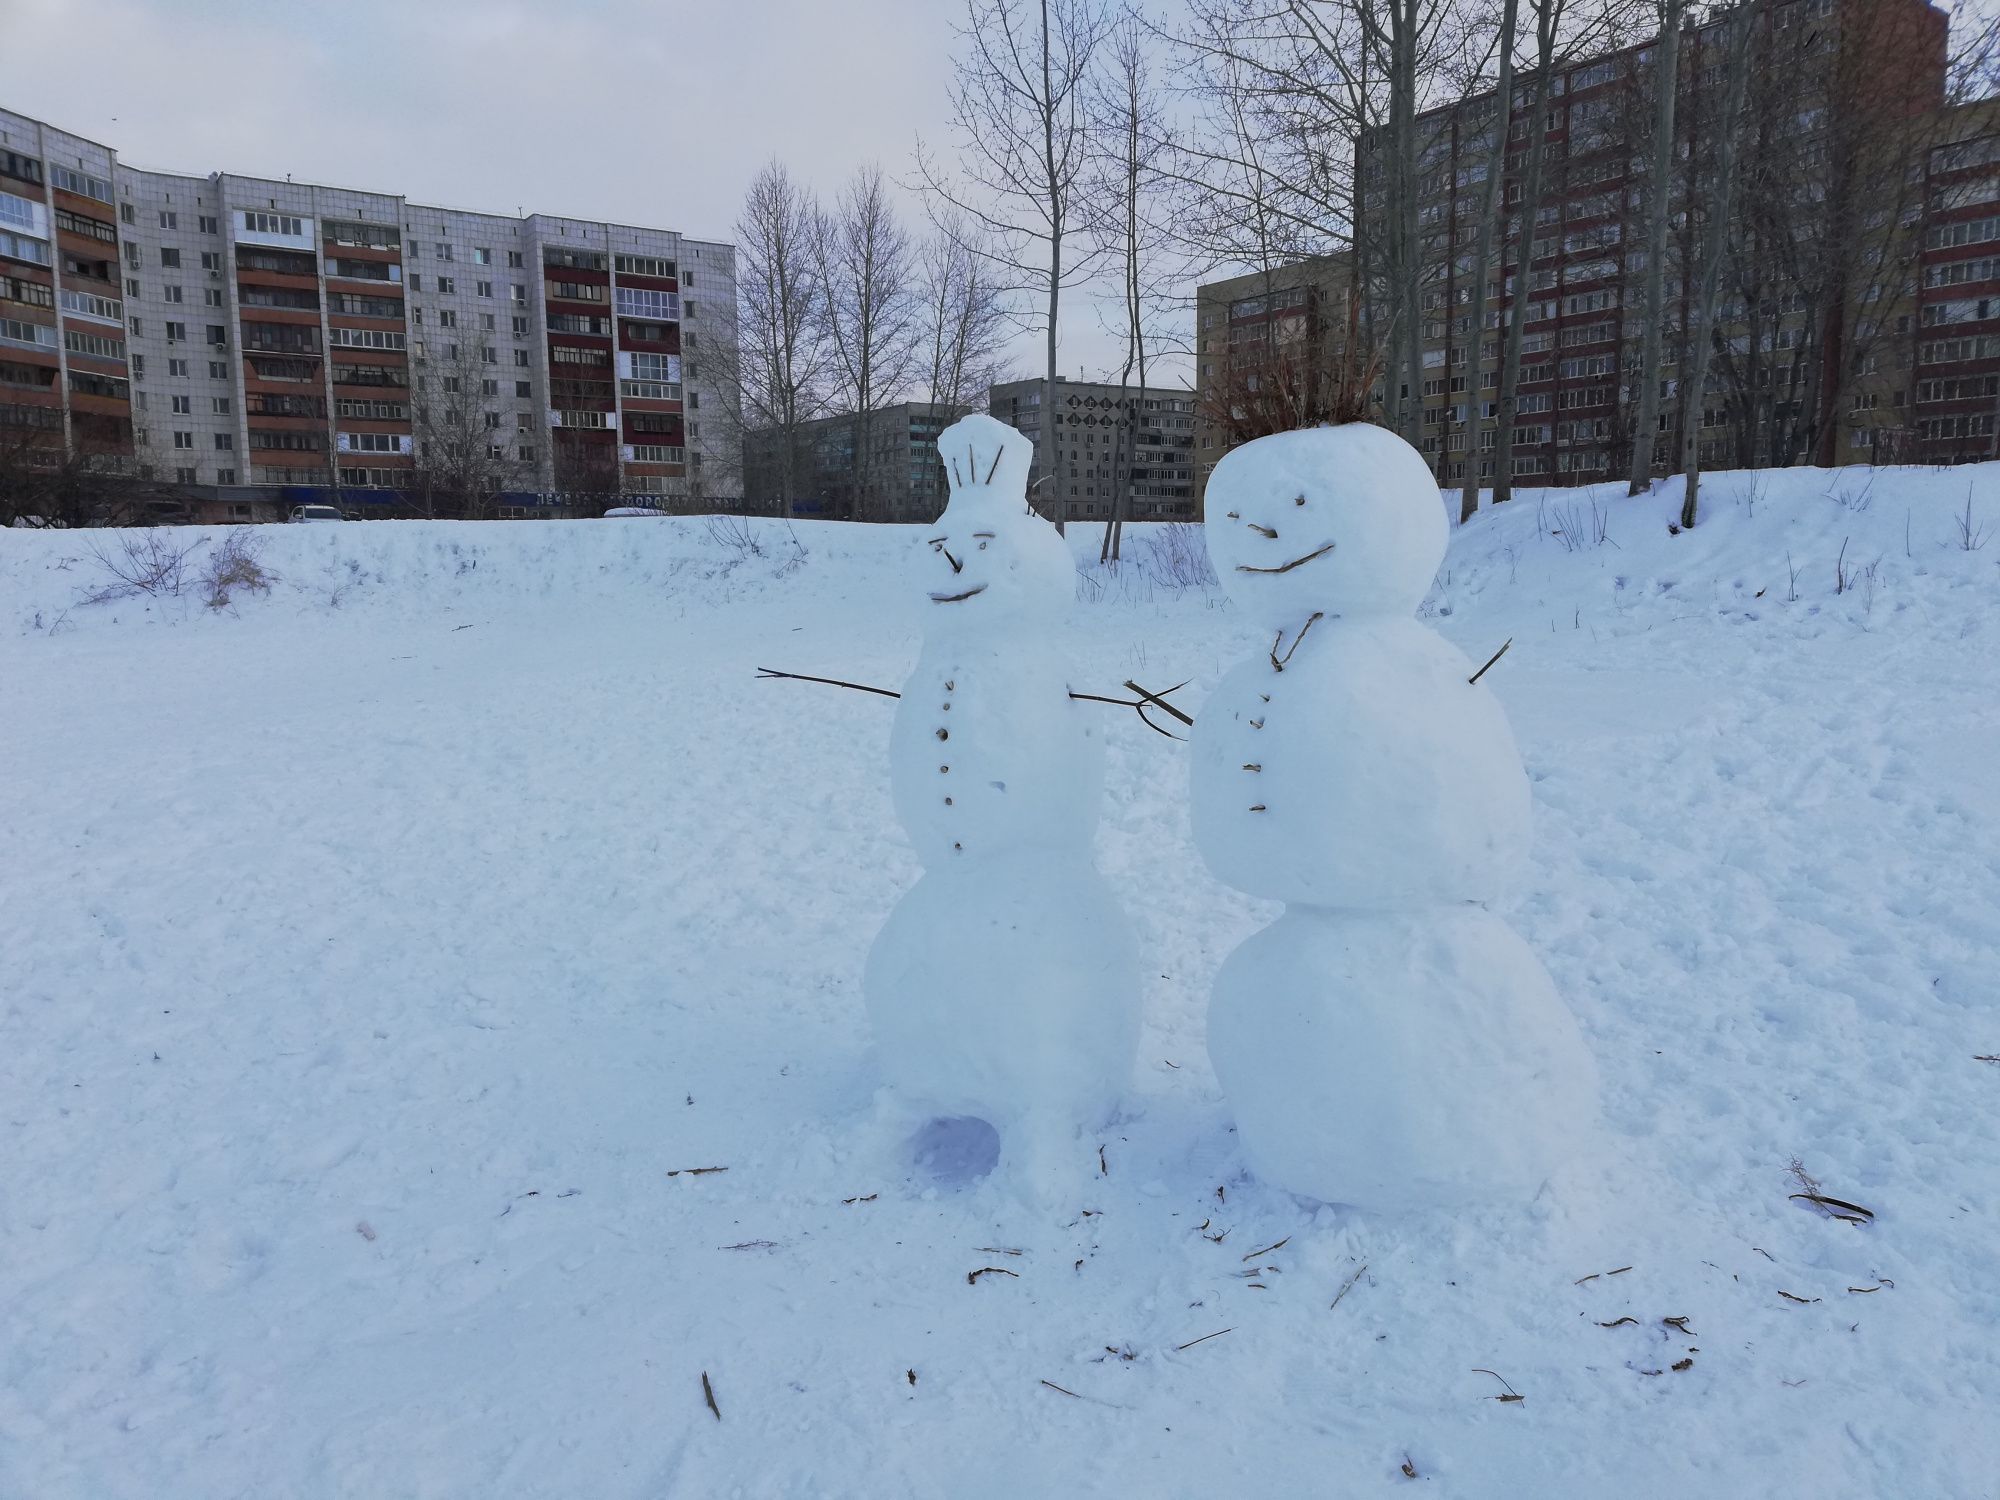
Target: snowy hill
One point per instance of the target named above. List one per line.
(375, 951)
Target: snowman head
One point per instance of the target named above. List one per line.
(1330, 520)
(989, 559)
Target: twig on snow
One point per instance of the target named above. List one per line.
(708, 1395)
(1347, 1286)
(1204, 1338)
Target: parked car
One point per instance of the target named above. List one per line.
(631, 510)
(315, 513)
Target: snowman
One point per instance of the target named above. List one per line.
(1388, 1042)
(1004, 986)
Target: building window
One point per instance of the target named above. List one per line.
(514, 259)
(183, 405)
(521, 359)
(281, 224)
(523, 390)
(224, 441)
(210, 224)
(217, 370)
(447, 286)
(485, 288)
(183, 440)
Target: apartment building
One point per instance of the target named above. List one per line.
(253, 341)
(1110, 446)
(897, 475)
(1821, 358)
(1269, 348)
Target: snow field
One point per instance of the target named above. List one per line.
(363, 978)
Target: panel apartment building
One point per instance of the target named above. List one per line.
(252, 340)
(1157, 483)
(1823, 360)
(898, 475)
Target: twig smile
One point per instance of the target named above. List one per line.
(1296, 562)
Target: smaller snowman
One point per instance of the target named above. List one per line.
(1004, 986)
(1388, 1042)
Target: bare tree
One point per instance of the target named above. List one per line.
(462, 457)
(1659, 213)
(86, 482)
(781, 355)
(1490, 208)
(1018, 111)
(1549, 17)
(1715, 227)
(1327, 97)
(870, 309)
(1127, 198)
(964, 320)
(586, 470)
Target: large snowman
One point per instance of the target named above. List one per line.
(1004, 986)
(1388, 1042)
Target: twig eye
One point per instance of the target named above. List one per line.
(1300, 501)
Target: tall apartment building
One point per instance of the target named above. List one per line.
(1820, 358)
(1093, 419)
(1267, 346)
(898, 476)
(253, 340)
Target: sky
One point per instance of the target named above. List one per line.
(653, 112)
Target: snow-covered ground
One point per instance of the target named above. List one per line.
(375, 953)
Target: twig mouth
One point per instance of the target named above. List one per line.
(954, 598)
(1296, 562)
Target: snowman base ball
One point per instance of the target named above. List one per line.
(1399, 1061)
(1007, 991)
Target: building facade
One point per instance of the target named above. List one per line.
(898, 475)
(250, 340)
(1270, 347)
(1111, 447)
(1846, 201)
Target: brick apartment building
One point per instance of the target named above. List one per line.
(255, 343)
(1268, 326)
(1157, 483)
(1891, 353)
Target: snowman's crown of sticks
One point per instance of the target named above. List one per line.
(981, 453)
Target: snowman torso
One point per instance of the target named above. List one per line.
(990, 755)
(1363, 771)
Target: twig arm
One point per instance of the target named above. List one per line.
(1491, 659)
(859, 687)
(1159, 700)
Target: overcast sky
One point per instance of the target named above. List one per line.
(651, 112)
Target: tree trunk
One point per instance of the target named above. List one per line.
(1052, 494)
(1409, 269)
(1524, 273)
(1666, 81)
(1490, 208)
(1721, 191)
